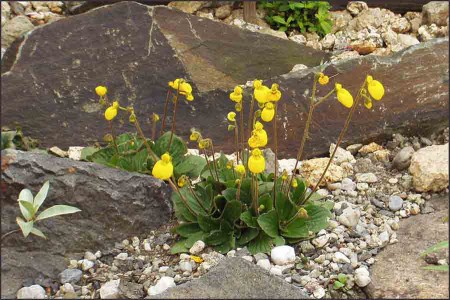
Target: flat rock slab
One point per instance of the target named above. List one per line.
(397, 272)
(114, 205)
(135, 50)
(234, 278)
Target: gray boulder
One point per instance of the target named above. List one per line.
(114, 205)
(402, 160)
(234, 278)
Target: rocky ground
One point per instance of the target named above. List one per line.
(358, 30)
(374, 188)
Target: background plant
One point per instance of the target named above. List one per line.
(304, 16)
(433, 249)
(29, 207)
(14, 139)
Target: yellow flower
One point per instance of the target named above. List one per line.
(182, 181)
(375, 88)
(344, 96)
(163, 168)
(101, 90)
(294, 183)
(197, 259)
(115, 104)
(256, 162)
(284, 175)
(155, 117)
(195, 135)
(323, 79)
(367, 102)
(240, 170)
(183, 87)
(238, 107)
(261, 92)
(231, 116)
(110, 113)
(132, 118)
(268, 112)
(302, 213)
(275, 94)
(203, 143)
(229, 164)
(258, 138)
(236, 95)
(189, 97)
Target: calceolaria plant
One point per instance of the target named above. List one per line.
(230, 203)
(29, 207)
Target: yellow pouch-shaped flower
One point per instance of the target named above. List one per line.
(236, 95)
(101, 90)
(261, 92)
(256, 162)
(323, 79)
(163, 168)
(240, 170)
(344, 96)
(268, 112)
(275, 94)
(110, 113)
(376, 89)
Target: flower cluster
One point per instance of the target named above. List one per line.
(182, 87)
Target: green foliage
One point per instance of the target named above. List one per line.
(304, 16)
(340, 283)
(14, 139)
(221, 212)
(132, 155)
(29, 207)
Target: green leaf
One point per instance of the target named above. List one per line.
(88, 151)
(208, 223)
(261, 244)
(299, 192)
(337, 285)
(279, 241)
(249, 219)
(193, 238)
(342, 278)
(26, 195)
(182, 212)
(267, 201)
(317, 220)
(190, 165)
(269, 223)
(29, 208)
(435, 248)
(177, 148)
(37, 232)
(443, 268)
(217, 237)
(179, 247)
(285, 208)
(232, 211)
(57, 210)
(248, 235)
(230, 194)
(41, 195)
(279, 19)
(26, 227)
(187, 229)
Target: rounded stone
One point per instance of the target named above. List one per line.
(395, 203)
(282, 255)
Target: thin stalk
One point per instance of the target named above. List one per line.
(242, 133)
(166, 105)
(113, 136)
(196, 197)
(175, 188)
(305, 131)
(257, 195)
(153, 129)
(207, 162)
(8, 233)
(141, 134)
(250, 128)
(174, 118)
(324, 97)
(275, 140)
(214, 160)
(238, 192)
(341, 136)
(236, 140)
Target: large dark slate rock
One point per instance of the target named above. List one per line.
(115, 205)
(135, 50)
(49, 89)
(234, 278)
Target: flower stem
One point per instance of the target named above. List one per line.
(305, 131)
(207, 162)
(153, 129)
(324, 97)
(141, 134)
(166, 105)
(174, 118)
(250, 128)
(175, 188)
(242, 133)
(196, 197)
(113, 136)
(275, 140)
(214, 160)
(341, 136)
(236, 140)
